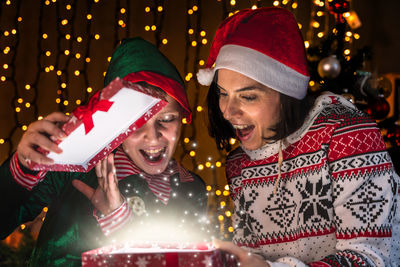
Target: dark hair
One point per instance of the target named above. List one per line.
(292, 115)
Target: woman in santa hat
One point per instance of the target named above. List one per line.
(137, 185)
(311, 181)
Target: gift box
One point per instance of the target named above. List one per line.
(96, 129)
(158, 254)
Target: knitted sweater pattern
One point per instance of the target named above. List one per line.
(336, 199)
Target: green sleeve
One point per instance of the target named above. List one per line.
(19, 205)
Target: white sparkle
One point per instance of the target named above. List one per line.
(141, 262)
(207, 261)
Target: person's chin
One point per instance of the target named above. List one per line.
(251, 144)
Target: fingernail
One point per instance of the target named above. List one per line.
(62, 135)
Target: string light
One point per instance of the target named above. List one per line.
(196, 36)
(315, 24)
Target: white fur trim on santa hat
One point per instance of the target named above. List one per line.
(205, 76)
(263, 69)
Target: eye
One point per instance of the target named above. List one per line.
(221, 94)
(249, 97)
(167, 118)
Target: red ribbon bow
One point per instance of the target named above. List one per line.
(85, 113)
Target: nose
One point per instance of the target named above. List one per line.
(230, 108)
(151, 131)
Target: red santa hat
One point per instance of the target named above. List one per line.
(264, 44)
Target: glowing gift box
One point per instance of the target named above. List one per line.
(159, 254)
(96, 129)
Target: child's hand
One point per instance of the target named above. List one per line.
(41, 134)
(107, 197)
(244, 258)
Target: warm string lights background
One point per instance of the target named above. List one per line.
(54, 54)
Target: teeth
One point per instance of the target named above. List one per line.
(153, 151)
(240, 127)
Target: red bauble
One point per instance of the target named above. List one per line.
(378, 108)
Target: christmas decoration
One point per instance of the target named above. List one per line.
(384, 86)
(378, 107)
(338, 7)
(137, 205)
(371, 85)
(329, 67)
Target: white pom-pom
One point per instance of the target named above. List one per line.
(205, 76)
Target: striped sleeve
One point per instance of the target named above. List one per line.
(115, 220)
(27, 181)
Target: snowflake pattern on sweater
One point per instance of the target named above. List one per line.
(336, 201)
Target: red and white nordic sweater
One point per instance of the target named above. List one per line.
(336, 200)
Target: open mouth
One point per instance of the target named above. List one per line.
(243, 131)
(153, 155)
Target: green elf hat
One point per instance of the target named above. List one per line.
(136, 60)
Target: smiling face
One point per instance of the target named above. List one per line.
(251, 108)
(151, 147)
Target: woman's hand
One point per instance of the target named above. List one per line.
(41, 134)
(107, 197)
(245, 258)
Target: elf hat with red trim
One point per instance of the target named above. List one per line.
(264, 44)
(137, 60)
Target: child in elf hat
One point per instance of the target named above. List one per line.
(140, 182)
(311, 182)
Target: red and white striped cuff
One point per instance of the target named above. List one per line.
(27, 181)
(115, 220)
